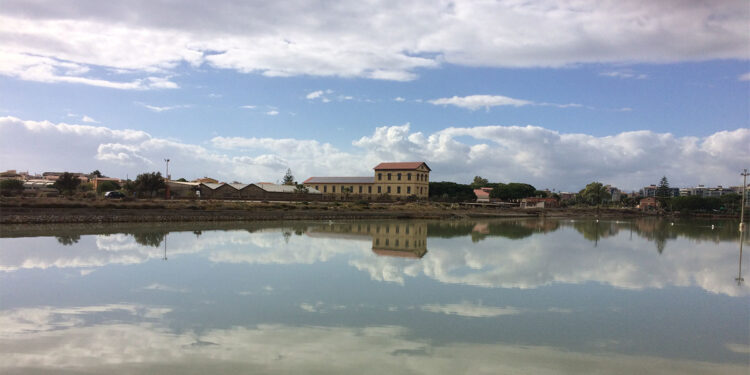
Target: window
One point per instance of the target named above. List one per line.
(377, 241)
(408, 190)
(398, 190)
(386, 242)
(333, 188)
(389, 176)
(396, 242)
(316, 187)
(369, 190)
(380, 176)
(398, 176)
(389, 189)
(351, 189)
(379, 188)
(408, 177)
(397, 230)
(360, 189)
(406, 243)
(325, 188)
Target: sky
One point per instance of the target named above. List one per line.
(553, 93)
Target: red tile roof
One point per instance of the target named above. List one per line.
(401, 165)
(481, 193)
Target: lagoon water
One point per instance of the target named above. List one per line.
(365, 297)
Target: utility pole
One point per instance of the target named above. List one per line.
(739, 279)
(744, 197)
(166, 179)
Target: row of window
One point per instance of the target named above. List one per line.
(417, 243)
(369, 189)
(419, 176)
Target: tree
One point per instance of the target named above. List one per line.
(11, 187)
(663, 192)
(288, 178)
(594, 193)
(182, 180)
(107, 186)
(301, 189)
(149, 182)
(512, 191)
(95, 173)
(451, 192)
(67, 183)
(479, 182)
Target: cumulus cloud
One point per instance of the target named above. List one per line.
(540, 156)
(376, 40)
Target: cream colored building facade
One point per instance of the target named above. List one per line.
(395, 179)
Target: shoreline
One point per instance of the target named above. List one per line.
(28, 211)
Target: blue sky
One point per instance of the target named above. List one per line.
(557, 94)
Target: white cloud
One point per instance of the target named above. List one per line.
(623, 74)
(272, 112)
(744, 77)
(320, 95)
(89, 119)
(376, 40)
(164, 108)
(474, 102)
(542, 157)
(248, 107)
(314, 94)
(399, 99)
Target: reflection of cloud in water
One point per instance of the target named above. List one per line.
(472, 310)
(129, 348)
(559, 256)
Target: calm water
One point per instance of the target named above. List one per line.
(417, 297)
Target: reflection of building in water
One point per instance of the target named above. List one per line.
(406, 240)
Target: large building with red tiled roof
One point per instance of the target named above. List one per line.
(398, 180)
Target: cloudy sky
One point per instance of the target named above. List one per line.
(557, 94)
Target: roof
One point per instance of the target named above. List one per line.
(481, 193)
(340, 180)
(274, 188)
(212, 186)
(238, 186)
(173, 182)
(400, 165)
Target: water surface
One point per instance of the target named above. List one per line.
(417, 297)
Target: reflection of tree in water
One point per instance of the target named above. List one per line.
(287, 234)
(197, 233)
(153, 239)
(68, 240)
(516, 229)
(593, 230)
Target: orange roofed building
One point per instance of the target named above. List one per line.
(395, 179)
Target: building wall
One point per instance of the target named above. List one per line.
(403, 183)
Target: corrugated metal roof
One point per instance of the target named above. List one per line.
(401, 165)
(238, 186)
(340, 180)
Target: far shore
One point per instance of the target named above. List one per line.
(62, 210)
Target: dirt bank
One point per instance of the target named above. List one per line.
(20, 211)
